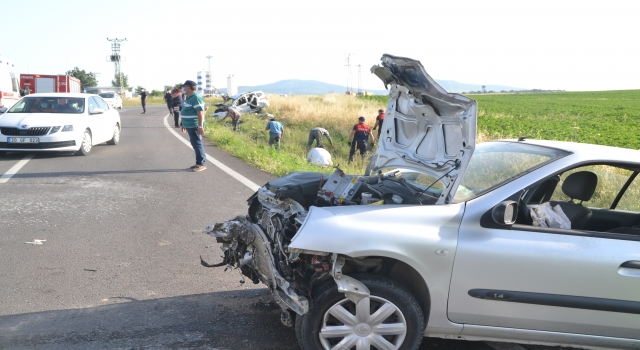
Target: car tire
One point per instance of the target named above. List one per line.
(403, 308)
(85, 145)
(116, 136)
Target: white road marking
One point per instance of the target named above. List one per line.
(253, 186)
(14, 170)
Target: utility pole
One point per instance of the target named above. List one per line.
(359, 82)
(349, 80)
(116, 58)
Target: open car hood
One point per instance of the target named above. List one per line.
(426, 128)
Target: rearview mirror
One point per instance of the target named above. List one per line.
(97, 111)
(505, 213)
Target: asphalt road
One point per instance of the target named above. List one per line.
(119, 266)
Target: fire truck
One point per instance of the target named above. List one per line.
(49, 83)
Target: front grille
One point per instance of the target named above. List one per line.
(41, 145)
(39, 131)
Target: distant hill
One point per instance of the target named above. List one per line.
(314, 87)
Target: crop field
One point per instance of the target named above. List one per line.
(604, 117)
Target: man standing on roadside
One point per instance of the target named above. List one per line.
(192, 115)
(143, 98)
(234, 115)
(379, 121)
(276, 131)
(176, 103)
(316, 134)
(359, 138)
(169, 100)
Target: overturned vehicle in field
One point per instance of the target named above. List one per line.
(335, 250)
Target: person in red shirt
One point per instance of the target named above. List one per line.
(359, 138)
(379, 120)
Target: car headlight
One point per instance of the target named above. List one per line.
(67, 128)
(54, 130)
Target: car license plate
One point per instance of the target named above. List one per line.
(22, 140)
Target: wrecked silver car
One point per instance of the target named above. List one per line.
(441, 238)
(307, 235)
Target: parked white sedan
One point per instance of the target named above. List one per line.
(59, 122)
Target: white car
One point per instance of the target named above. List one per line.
(523, 241)
(112, 98)
(248, 102)
(59, 122)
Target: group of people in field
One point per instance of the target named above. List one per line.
(188, 109)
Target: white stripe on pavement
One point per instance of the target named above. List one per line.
(214, 161)
(14, 170)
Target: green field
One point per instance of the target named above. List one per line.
(601, 117)
(604, 117)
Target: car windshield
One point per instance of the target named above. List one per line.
(107, 95)
(67, 105)
(495, 163)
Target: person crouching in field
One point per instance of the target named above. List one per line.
(359, 138)
(316, 134)
(234, 115)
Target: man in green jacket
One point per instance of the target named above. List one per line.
(192, 115)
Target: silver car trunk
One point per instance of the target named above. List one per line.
(426, 128)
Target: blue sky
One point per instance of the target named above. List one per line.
(569, 45)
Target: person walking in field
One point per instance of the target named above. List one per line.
(234, 114)
(143, 99)
(276, 131)
(192, 115)
(316, 134)
(359, 138)
(176, 103)
(379, 121)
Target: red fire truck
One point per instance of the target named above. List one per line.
(49, 83)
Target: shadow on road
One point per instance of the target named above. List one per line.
(243, 319)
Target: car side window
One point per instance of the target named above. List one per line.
(101, 103)
(610, 181)
(631, 198)
(93, 104)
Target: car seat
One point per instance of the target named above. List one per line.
(580, 186)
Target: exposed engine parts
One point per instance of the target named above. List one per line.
(258, 244)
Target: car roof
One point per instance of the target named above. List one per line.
(587, 150)
(60, 94)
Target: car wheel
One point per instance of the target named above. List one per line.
(390, 318)
(116, 136)
(85, 146)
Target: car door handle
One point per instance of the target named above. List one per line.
(631, 264)
(630, 268)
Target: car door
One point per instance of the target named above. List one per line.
(107, 119)
(96, 120)
(526, 277)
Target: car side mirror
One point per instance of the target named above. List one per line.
(97, 111)
(3, 109)
(505, 213)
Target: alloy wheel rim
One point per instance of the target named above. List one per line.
(86, 142)
(373, 322)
